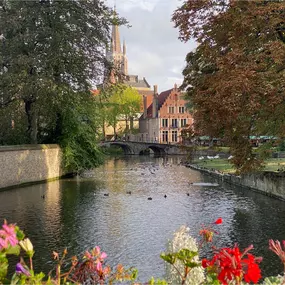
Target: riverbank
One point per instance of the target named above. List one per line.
(267, 182)
(224, 164)
(29, 164)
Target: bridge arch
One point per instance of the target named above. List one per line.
(125, 147)
(156, 150)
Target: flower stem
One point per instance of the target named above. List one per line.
(31, 264)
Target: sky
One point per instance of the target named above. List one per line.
(153, 48)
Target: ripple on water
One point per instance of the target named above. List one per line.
(132, 229)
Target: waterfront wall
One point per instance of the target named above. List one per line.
(268, 183)
(24, 164)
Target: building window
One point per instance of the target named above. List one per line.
(174, 123)
(174, 136)
(171, 110)
(164, 123)
(181, 110)
(183, 122)
(165, 136)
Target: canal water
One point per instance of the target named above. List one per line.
(133, 230)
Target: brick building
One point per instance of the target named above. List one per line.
(165, 118)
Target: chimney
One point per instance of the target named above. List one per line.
(154, 102)
(175, 86)
(144, 107)
(155, 89)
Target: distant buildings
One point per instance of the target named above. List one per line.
(120, 62)
(165, 118)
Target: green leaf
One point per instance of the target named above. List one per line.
(186, 254)
(169, 258)
(192, 264)
(212, 279)
(3, 270)
(15, 279)
(152, 281)
(19, 234)
(134, 274)
(273, 280)
(15, 250)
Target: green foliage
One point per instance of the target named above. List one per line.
(3, 266)
(113, 150)
(281, 146)
(50, 52)
(212, 279)
(273, 280)
(185, 255)
(170, 257)
(79, 137)
(153, 281)
(116, 103)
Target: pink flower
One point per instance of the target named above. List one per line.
(8, 235)
(276, 247)
(98, 266)
(103, 255)
(97, 252)
(3, 243)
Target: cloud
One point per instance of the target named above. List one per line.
(153, 48)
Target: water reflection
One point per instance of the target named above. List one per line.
(132, 229)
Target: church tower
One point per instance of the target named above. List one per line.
(116, 55)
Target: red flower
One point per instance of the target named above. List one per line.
(229, 265)
(205, 263)
(219, 221)
(253, 273)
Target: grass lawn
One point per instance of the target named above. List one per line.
(219, 164)
(272, 164)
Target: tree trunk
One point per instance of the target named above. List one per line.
(132, 123)
(115, 132)
(32, 121)
(104, 128)
(127, 125)
(58, 128)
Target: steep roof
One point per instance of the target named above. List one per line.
(161, 99)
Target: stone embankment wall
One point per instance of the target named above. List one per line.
(268, 183)
(26, 164)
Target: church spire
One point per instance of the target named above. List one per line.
(116, 44)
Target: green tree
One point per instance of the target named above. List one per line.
(50, 52)
(131, 103)
(118, 102)
(234, 79)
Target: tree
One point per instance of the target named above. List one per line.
(131, 103)
(118, 102)
(50, 51)
(234, 79)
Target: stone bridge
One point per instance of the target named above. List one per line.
(130, 147)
